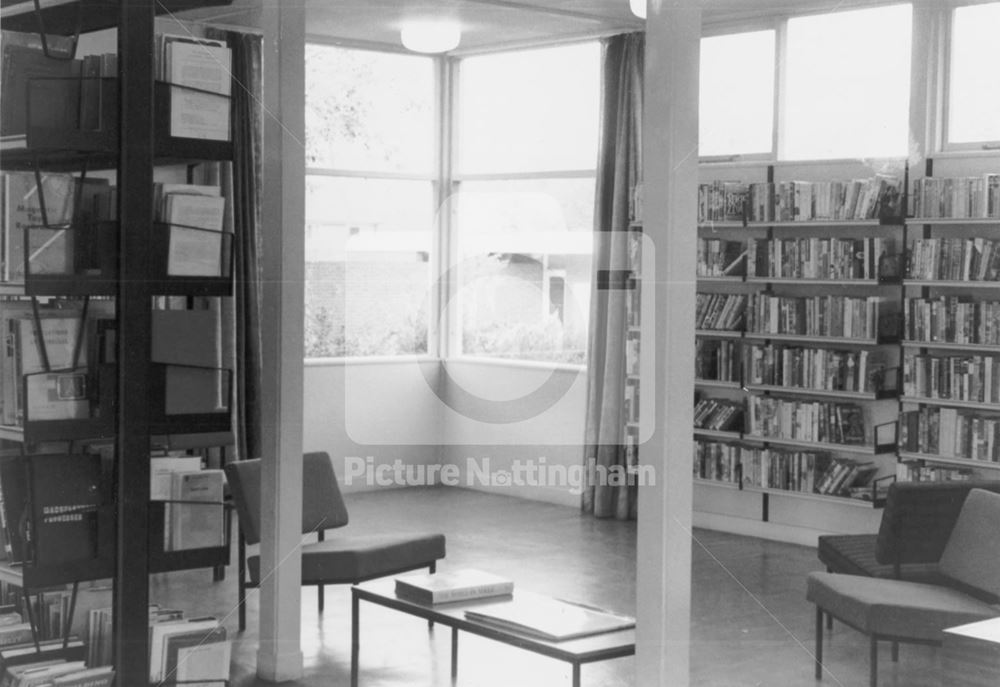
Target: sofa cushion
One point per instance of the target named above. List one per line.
(972, 555)
(854, 554)
(343, 559)
(895, 608)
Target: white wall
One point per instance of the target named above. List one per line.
(377, 409)
(541, 446)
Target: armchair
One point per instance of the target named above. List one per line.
(340, 560)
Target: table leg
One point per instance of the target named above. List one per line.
(454, 654)
(355, 644)
(576, 675)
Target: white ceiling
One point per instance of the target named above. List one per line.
(488, 24)
(485, 23)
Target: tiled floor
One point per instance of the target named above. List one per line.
(750, 622)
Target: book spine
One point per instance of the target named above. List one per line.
(446, 595)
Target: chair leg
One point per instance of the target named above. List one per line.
(873, 660)
(819, 642)
(319, 597)
(241, 574)
(432, 568)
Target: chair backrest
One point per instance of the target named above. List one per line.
(322, 503)
(972, 556)
(918, 519)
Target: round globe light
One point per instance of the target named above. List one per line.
(638, 8)
(430, 36)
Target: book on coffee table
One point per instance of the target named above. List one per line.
(454, 585)
(551, 619)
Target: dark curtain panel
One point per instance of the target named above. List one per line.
(619, 166)
(242, 182)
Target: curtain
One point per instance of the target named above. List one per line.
(619, 167)
(241, 182)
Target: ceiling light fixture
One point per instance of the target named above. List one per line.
(430, 36)
(638, 8)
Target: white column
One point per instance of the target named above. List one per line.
(279, 655)
(670, 161)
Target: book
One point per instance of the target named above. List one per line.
(194, 252)
(15, 633)
(161, 473)
(13, 507)
(102, 676)
(33, 675)
(551, 619)
(48, 649)
(196, 656)
(455, 585)
(160, 633)
(192, 525)
(22, 208)
(67, 493)
(204, 66)
(22, 58)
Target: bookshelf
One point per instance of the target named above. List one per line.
(811, 355)
(632, 407)
(108, 274)
(950, 349)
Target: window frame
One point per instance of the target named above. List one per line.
(946, 145)
(433, 176)
(452, 347)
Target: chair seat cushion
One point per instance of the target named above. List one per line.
(895, 608)
(854, 554)
(343, 560)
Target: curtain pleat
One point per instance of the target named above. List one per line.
(619, 169)
(243, 179)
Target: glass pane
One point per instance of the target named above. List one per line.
(974, 98)
(848, 85)
(527, 111)
(524, 250)
(369, 110)
(736, 70)
(368, 245)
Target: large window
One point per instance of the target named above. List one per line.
(973, 86)
(370, 203)
(526, 158)
(847, 84)
(736, 94)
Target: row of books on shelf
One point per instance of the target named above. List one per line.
(632, 360)
(922, 471)
(802, 420)
(954, 259)
(58, 91)
(720, 311)
(818, 258)
(55, 660)
(851, 317)
(62, 237)
(181, 650)
(530, 614)
(34, 238)
(718, 414)
(957, 197)
(808, 472)
(951, 320)
(51, 361)
(931, 259)
(54, 508)
(814, 368)
(720, 258)
(630, 406)
(950, 433)
(972, 378)
(791, 201)
(717, 360)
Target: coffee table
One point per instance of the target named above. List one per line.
(576, 652)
